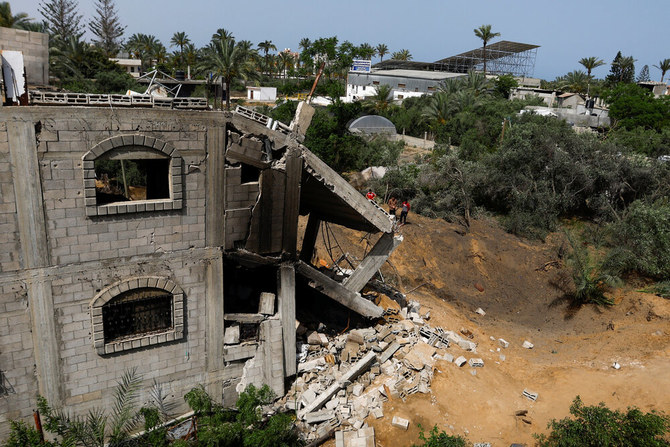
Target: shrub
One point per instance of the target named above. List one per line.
(642, 240)
(588, 275)
(598, 426)
(440, 439)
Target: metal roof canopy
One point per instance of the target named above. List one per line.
(501, 58)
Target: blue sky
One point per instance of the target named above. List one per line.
(566, 30)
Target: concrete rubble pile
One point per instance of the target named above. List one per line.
(343, 379)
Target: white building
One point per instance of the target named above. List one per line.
(262, 93)
(404, 83)
(132, 66)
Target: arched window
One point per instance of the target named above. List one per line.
(130, 174)
(136, 313)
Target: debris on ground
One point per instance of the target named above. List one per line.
(344, 378)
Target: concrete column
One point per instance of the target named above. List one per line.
(216, 187)
(309, 240)
(35, 252)
(372, 262)
(286, 294)
(215, 325)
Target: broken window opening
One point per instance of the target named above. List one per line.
(250, 174)
(121, 180)
(243, 287)
(137, 312)
(248, 332)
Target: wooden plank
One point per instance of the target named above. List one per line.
(337, 292)
(339, 186)
(309, 239)
(286, 293)
(291, 202)
(372, 262)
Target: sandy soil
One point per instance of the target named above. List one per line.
(444, 269)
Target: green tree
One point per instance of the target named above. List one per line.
(589, 63)
(504, 85)
(632, 106)
(8, 20)
(180, 40)
(664, 66)
(61, 18)
(644, 74)
(380, 102)
(221, 34)
(402, 55)
(107, 27)
(366, 51)
(145, 47)
(485, 34)
(382, 50)
(575, 81)
(598, 426)
(622, 70)
(267, 46)
(233, 62)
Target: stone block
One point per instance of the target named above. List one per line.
(460, 361)
(504, 343)
(266, 305)
(476, 363)
(399, 422)
(316, 338)
(232, 335)
(528, 345)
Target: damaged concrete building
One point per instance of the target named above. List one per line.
(187, 270)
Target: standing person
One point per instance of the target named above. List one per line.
(371, 195)
(393, 206)
(403, 212)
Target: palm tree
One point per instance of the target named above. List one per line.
(221, 34)
(485, 34)
(590, 63)
(365, 51)
(664, 66)
(180, 39)
(381, 100)
(286, 61)
(382, 50)
(266, 46)
(402, 55)
(575, 81)
(145, 47)
(8, 20)
(231, 61)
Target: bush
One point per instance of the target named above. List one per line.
(589, 277)
(439, 439)
(598, 426)
(642, 240)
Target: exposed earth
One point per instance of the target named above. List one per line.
(453, 273)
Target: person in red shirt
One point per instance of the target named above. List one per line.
(370, 195)
(403, 212)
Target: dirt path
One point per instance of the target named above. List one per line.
(573, 353)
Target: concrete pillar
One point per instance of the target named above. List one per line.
(216, 187)
(35, 252)
(215, 325)
(309, 240)
(372, 262)
(286, 293)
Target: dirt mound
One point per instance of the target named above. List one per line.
(512, 280)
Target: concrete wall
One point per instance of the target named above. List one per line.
(55, 259)
(35, 48)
